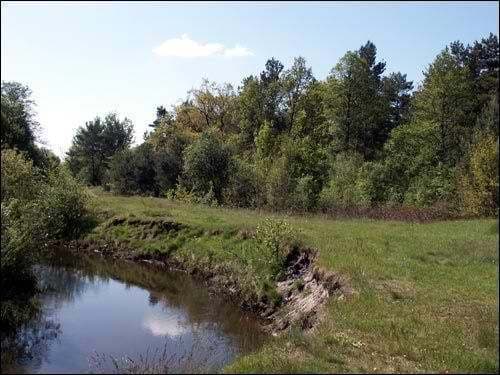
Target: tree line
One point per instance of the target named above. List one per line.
(283, 139)
(286, 140)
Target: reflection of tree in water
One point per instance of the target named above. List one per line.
(179, 291)
(64, 279)
(29, 344)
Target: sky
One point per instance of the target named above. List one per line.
(85, 59)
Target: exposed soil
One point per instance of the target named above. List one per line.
(303, 289)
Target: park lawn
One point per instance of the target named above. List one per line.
(425, 294)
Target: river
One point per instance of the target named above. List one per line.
(93, 309)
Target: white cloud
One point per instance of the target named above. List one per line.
(237, 51)
(186, 47)
(163, 325)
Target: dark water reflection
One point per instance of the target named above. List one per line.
(117, 308)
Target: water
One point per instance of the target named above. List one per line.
(121, 309)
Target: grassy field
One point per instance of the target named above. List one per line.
(426, 294)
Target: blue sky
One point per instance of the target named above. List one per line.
(87, 59)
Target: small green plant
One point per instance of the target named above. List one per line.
(273, 235)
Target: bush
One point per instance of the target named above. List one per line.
(411, 152)
(436, 185)
(34, 209)
(478, 181)
(241, 189)
(133, 171)
(19, 182)
(349, 183)
(38, 210)
(168, 167)
(304, 196)
(279, 185)
(61, 206)
(206, 166)
(19, 178)
(273, 237)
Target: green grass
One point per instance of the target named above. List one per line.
(426, 294)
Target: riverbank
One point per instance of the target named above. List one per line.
(426, 294)
(291, 297)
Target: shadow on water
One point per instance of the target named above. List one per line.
(93, 311)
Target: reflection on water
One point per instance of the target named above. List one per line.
(116, 308)
(160, 325)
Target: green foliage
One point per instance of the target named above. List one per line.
(349, 183)
(305, 195)
(95, 143)
(169, 141)
(19, 178)
(447, 99)
(436, 185)
(60, 211)
(412, 170)
(264, 141)
(35, 209)
(279, 184)
(355, 103)
(242, 186)
(274, 236)
(18, 125)
(479, 179)
(206, 165)
(271, 142)
(133, 171)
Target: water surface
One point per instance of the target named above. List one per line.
(122, 309)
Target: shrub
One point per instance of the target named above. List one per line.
(241, 188)
(168, 167)
(349, 183)
(19, 178)
(478, 181)
(60, 210)
(122, 172)
(273, 237)
(436, 185)
(34, 209)
(411, 151)
(304, 196)
(206, 165)
(278, 185)
(133, 171)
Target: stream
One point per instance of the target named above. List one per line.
(92, 309)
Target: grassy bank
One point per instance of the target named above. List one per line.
(426, 294)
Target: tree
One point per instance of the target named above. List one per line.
(162, 115)
(481, 59)
(479, 179)
(447, 98)
(396, 90)
(250, 111)
(296, 82)
(215, 104)
(206, 165)
(355, 107)
(18, 126)
(95, 143)
(272, 92)
(169, 143)
(132, 171)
